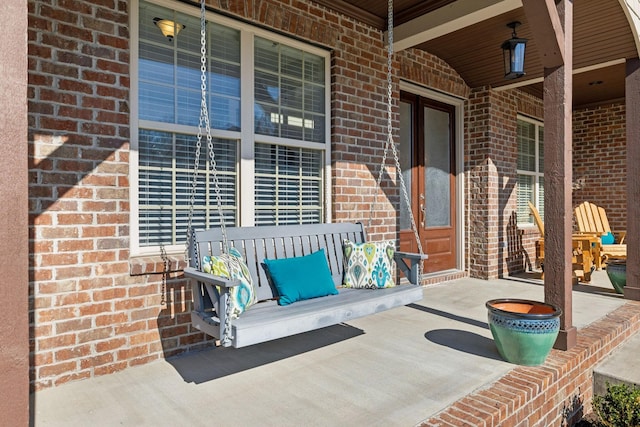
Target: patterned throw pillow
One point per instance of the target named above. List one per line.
(232, 266)
(369, 265)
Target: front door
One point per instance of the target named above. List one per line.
(427, 157)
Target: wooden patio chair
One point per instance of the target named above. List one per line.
(591, 218)
(585, 254)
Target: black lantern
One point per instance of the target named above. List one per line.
(513, 53)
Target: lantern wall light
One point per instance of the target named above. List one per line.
(513, 54)
(169, 29)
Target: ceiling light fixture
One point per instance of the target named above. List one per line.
(513, 54)
(169, 29)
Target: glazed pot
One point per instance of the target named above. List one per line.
(617, 273)
(524, 331)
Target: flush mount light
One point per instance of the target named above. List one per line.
(169, 28)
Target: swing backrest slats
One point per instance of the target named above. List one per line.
(257, 243)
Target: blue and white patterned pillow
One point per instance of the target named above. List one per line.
(232, 266)
(369, 265)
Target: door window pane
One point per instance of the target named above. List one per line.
(438, 168)
(406, 160)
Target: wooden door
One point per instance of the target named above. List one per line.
(427, 155)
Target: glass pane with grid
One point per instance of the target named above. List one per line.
(288, 185)
(526, 146)
(525, 195)
(530, 164)
(170, 75)
(541, 149)
(165, 176)
(290, 99)
(541, 196)
(289, 92)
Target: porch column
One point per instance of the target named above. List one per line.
(552, 26)
(14, 243)
(632, 95)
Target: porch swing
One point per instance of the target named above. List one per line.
(233, 266)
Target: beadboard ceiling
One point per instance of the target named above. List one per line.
(601, 34)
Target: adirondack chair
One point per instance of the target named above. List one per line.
(591, 218)
(585, 252)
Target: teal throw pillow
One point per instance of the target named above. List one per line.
(608, 238)
(232, 266)
(369, 265)
(301, 278)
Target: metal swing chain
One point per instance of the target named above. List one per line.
(390, 142)
(204, 119)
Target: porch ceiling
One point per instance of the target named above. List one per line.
(469, 40)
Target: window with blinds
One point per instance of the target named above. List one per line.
(165, 182)
(530, 168)
(267, 101)
(289, 92)
(288, 185)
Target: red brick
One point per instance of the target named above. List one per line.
(72, 353)
(95, 334)
(48, 343)
(111, 319)
(56, 369)
(110, 368)
(110, 345)
(94, 361)
(109, 294)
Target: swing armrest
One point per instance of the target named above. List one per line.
(411, 256)
(410, 270)
(198, 275)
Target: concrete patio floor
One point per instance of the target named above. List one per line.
(396, 368)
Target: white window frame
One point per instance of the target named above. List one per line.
(245, 167)
(536, 174)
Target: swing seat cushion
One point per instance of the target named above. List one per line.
(369, 265)
(232, 266)
(301, 278)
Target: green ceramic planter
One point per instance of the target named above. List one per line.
(617, 273)
(524, 331)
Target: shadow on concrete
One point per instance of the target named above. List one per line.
(597, 290)
(448, 315)
(599, 285)
(219, 362)
(465, 341)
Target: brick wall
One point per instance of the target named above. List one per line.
(599, 160)
(93, 309)
(89, 316)
(497, 246)
(556, 393)
(599, 163)
(359, 129)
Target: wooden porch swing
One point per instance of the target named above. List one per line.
(215, 312)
